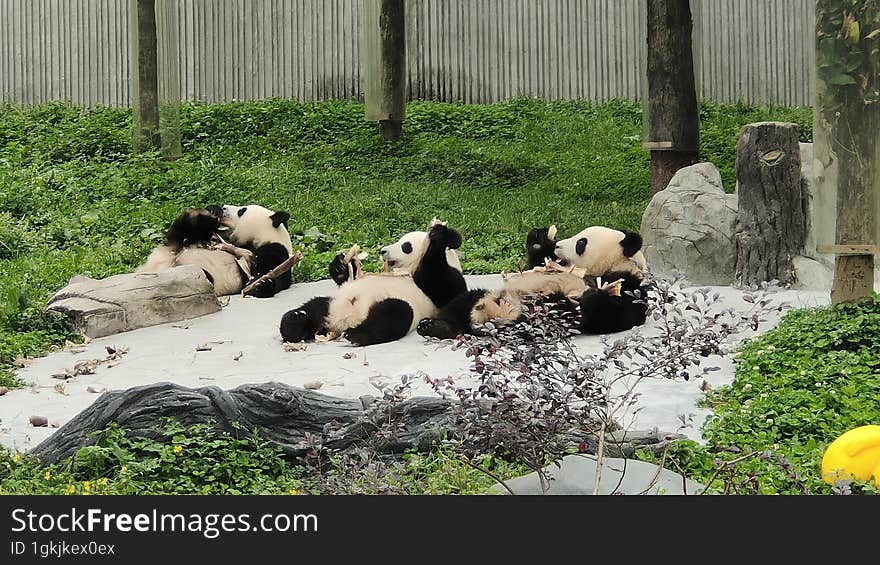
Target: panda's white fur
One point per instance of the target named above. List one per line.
(252, 225)
(353, 300)
(597, 250)
(405, 253)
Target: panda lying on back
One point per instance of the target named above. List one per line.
(399, 257)
(615, 304)
(259, 242)
(382, 308)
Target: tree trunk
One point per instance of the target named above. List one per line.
(771, 220)
(145, 75)
(672, 118)
(385, 85)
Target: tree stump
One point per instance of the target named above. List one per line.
(120, 303)
(771, 219)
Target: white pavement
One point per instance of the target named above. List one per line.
(249, 328)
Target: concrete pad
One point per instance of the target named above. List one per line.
(576, 475)
(249, 327)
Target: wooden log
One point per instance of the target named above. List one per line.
(120, 303)
(771, 219)
(673, 121)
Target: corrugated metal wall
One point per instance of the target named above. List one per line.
(468, 50)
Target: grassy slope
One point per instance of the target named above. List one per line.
(73, 200)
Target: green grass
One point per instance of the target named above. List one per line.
(197, 461)
(74, 200)
(797, 388)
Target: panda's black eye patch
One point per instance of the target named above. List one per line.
(580, 246)
(406, 247)
(241, 211)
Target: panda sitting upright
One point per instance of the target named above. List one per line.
(259, 242)
(379, 309)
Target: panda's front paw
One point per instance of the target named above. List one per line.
(444, 235)
(540, 246)
(338, 269)
(263, 289)
(215, 210)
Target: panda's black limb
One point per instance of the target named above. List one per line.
(266, 258)
(338, 269)
(387, 320)
(304, 322)
(453, 319)
(539, 247)
(440, 282)
(603, 312)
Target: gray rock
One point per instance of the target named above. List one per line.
(126, 302)
(688, 228)
(811, 274)
(577, 475)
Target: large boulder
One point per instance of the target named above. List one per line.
(688, 228)
(100, 307)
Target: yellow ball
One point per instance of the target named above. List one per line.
(854, 455)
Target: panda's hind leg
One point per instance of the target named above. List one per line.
(388, 320)
(301, 324)
(436, 328)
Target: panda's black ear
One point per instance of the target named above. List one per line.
(279, 218)
(631, 243)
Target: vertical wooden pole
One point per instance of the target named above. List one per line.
(385, 85)
(672, 118)
(846, 123)
(155, 77)
(144, 75)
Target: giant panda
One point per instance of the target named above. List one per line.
(382, 308)
(560, 291)
(258, 242)
(398, 257)
(614, 257)
(615, 304)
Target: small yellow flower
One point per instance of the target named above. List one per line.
(16, 458)
(178, 449)
(293, 492)
(102, 481)
(87, 486)
(47, 475)
(70, 489)
(124, 470)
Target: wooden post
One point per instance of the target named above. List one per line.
(846, 123)
(672, 119)
(155, 79)
(771, 219)
(144, 75)
(385, 85)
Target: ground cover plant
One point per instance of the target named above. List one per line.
(75, 200)
(797, 388)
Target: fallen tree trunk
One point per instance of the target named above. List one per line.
(280, 414)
